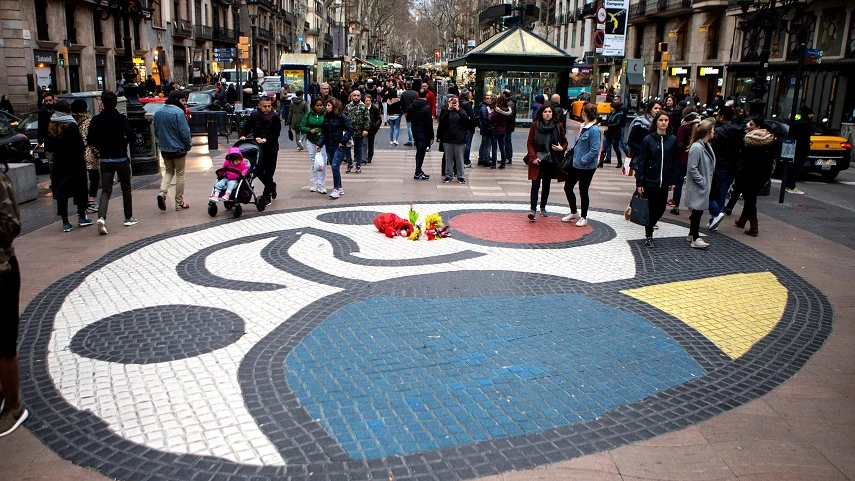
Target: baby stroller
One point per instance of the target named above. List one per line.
(243, 192)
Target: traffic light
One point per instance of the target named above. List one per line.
(663, 47)
(63, 54)
(243, 43)
(664, 61)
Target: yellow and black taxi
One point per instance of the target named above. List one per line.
(829, 153)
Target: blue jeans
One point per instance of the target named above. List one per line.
(336, 154)
(623, 146)
(410, 132)
(422, 143)
(358, 141)
(225, 183)
(718, 195)
(609, 144)
(498, 142)
(468, 147)
(484, 150)
(394, 129)
(509, 147)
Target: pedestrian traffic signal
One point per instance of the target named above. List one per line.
(663, 47)
(61, 60)
(244, 51)
(63, 54)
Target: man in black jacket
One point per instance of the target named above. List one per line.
(265, 125)
(453, 123)
(466, 106)
(48, 101)
(407, 98)
(612, 137)
(422, 124)
(512, 125)
(800, 132)
(727, 146)
(109, 134)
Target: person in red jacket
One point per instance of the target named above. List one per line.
(427, 94)
(684, 141)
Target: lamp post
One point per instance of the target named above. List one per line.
(252, 9)
(143, 156)
(770, 16)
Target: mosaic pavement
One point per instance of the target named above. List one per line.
(306, 345)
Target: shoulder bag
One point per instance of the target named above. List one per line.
(567, 162)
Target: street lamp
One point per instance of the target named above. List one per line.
(143, 159)
(771, 16)
(252, 9)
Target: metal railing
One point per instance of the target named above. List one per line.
(182, 28)
(225, 34)
(263, 33)
(203, 32)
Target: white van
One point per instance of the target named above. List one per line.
(229, 76)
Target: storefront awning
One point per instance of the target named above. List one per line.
(678, 29)
(378, 63)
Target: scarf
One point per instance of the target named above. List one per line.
(62, 118)
(268, 116)
(544, 135)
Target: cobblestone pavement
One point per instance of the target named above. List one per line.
(303, 344)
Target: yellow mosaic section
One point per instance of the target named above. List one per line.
(733, 311)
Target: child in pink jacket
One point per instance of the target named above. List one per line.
(233, 168)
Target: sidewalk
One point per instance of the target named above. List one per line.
(94, 411)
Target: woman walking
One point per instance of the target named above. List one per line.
(68, 175)
(394, 112)
(546, 140)
(585, 156)
(655, 170)
(699, 167)
(310, 126)
(758, 160)
(499, 120)
(335, 134)
(374, 127)
(80, 112)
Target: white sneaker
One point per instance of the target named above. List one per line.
(795, 191)
(322, 189)
(102, 226)
(689, 238)
(341, 191)
(396, 142)
(582, 222)
(131, 221)
(314, 188)
(335, 194)
(713, 225)
(569, 217)
(699, 244)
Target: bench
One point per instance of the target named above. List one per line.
(23, 177)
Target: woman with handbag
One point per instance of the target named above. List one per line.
(585, 161)
(758, 154)
(655, 170)
(699, 171)
(546, 144)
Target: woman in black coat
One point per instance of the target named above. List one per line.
(336, 132)
(758, 160)
(68, 174)
(654, 164)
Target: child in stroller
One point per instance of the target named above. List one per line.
(236, 177)
(228, 175)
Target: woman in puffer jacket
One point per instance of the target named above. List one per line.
(758, 160)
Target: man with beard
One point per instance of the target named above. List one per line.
(265, 125)
(48, 102)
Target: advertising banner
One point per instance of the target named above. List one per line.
(616, 19)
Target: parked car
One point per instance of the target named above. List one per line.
(11, 118)
(271, 85)
(29, 126)
(14, 146)
(153, 104)
(829, 153)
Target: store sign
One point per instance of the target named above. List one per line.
(616, 18)
(45, 56)
(679, 71)
(710, 71)
(138, 61)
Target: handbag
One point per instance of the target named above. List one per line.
(567, 162)
(640, 213)
(441, 147)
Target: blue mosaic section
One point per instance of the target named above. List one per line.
(397, 375)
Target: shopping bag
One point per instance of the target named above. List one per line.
(640, 213)
(320, 162)
(627, 167)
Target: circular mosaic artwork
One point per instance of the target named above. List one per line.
(307, 345)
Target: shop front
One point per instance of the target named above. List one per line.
(45, 69)
(522, 62)
(710, 81)
(677, 82)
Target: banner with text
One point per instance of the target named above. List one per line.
(616, 20)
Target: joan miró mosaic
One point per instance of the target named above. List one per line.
(307, 345)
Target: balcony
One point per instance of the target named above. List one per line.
(182, 28)
(313, 31)
(658, 8)
(589, 10)
(263, 33)
(284, 39)
(204, 33)
(637, 9)
(223, 34)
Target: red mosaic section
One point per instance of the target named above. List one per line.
(515, 228)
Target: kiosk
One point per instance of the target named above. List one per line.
(296, 70)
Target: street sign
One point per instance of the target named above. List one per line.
(788, 150)
(601, 14)
(813, 52)
(599, 38)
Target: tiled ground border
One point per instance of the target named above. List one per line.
(311, 454)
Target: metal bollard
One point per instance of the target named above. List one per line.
(212, 131)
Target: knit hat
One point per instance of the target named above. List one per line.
(692, 118)
(79, 106)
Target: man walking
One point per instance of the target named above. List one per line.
(45, 112)
(727, 146)
(265, 125)
(360, 118)
(299, 107)
(109, 134)
(466, 106)
(422, 133)
(407, 98)
(173, 137)
(512, 125)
